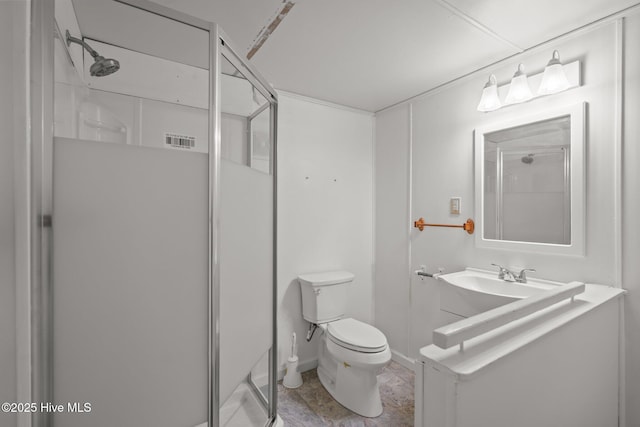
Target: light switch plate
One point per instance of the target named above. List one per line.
(455, 204)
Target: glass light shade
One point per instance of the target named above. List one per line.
(519, 90)
(490, 100)
(554, 79)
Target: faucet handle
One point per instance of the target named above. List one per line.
(522, 276)
(501, 270)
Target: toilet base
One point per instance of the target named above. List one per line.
(352, 378)
(363, 401)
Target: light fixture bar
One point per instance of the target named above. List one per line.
(572, 70)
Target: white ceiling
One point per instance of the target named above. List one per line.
(370, 54)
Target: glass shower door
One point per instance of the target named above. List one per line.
(160, 308)
(246, 248)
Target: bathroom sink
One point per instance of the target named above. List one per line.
(472, 291)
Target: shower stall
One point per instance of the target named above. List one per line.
(152, 229)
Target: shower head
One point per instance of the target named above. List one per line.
(528, 159)
(102, 66)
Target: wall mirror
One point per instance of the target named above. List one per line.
(530, 185)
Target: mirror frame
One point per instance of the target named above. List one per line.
(577, 114)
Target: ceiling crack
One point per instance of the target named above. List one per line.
(268, 29)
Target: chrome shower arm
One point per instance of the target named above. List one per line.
(102, 66)
(70, 39)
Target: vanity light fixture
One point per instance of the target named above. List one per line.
(519, 90)
(554, 79)
(490, 100)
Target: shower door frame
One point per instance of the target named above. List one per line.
(37, 385)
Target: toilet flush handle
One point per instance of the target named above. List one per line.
(311, 331)
(316, 291)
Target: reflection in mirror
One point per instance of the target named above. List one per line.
(245, 121)
(530, 182)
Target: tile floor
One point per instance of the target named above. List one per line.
(311, 405)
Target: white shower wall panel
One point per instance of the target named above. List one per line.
(80, 111)
(159, 118)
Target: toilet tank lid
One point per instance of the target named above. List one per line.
(326, 278)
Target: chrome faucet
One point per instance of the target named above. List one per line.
(505, 274)
(509, 276)
(522, 277)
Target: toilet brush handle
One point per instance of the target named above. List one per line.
(293, 344)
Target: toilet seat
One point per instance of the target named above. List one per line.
(357, 336)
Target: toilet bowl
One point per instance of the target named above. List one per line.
(351, 353)
(349, 364)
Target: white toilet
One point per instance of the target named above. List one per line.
(352, 353)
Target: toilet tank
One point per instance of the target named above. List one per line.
(324, 295)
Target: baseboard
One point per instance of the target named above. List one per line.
(305, 366)
(308, 365)
(405, 361)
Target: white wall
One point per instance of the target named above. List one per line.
(325, 209)
(443, 165)
(392, 231)
(631, 213)
(325, 186)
